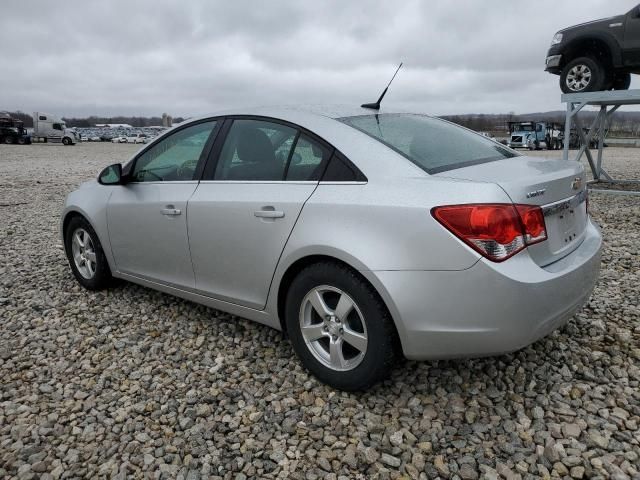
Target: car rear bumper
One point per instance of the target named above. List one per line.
(490, 308)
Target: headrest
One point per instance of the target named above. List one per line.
(254, 146)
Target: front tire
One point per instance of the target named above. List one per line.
(86, 256)
(66, 141)
(339, 327)
(583, 74)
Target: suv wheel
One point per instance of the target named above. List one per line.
(622, 81)
(339, 327)
(583, 74)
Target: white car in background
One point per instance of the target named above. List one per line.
(119, 140)
(137, 138)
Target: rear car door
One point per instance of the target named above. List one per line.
(243, 211)
(147, 216)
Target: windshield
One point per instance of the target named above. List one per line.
(433, 144)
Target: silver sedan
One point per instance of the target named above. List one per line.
(364, 235)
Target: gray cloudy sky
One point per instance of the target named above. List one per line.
(79, 58)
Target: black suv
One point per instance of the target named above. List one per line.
(598, 55)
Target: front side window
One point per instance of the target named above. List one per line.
(57, 126)
(174, 158)
(432, 144)
(255, 150)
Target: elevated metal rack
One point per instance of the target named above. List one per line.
(608, 102)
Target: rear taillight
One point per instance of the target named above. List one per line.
(497, 231)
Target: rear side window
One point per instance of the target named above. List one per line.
(306, 160)
(342, 170)
(255, 150)
(433, 144)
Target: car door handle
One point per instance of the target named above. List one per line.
(170, 210)
(269, 212)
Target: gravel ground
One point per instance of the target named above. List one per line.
(131, 383)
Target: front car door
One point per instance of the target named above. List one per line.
(243, 211)
(147, 216)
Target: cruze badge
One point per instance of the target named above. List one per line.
(536, 193)
(577, 183)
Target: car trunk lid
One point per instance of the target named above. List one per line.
(557, 186)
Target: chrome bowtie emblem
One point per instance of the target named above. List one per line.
(576, 183)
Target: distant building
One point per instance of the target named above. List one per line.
(113, 125)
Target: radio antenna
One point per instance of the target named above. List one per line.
(376, 106)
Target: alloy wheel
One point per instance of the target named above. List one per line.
(83, 251)
(333, 328)
(578, 78)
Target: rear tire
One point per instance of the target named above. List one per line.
(9, 140)
(583, 74)
(622, 81)
(86, 256)
(325, 348)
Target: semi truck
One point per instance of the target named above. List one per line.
(535, 135)
(49, 128)
(12, 130)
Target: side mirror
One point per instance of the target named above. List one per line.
(112, 175)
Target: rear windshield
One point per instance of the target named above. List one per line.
(434, 145)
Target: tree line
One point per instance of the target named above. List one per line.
(93, 120)
(623, 124)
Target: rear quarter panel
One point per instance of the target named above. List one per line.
(383, 225)
(388, 225)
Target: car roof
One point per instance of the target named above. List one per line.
(328, 111)
(371, 156)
